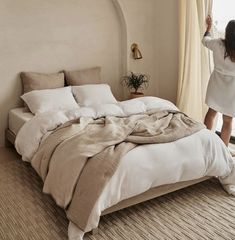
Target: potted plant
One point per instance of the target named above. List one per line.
(136, 82)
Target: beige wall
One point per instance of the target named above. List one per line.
(167, 38)
(50, 35)
(153, 24)
(140, 18)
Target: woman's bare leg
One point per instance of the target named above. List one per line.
(209, 119)
(226, 129)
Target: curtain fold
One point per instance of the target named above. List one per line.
(194, 59)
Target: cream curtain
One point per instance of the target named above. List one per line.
(194, 59)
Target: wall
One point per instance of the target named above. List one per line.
(52, 35)
(140, 16)
(167, 54)
(150, 23)
(153, 24)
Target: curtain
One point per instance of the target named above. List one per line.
(194, 59)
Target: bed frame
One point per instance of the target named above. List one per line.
(148, 195)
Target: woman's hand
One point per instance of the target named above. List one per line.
(209, 22)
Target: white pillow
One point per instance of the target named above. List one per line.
(93, 94)
(40, 101)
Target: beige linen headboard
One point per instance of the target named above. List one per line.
(49, 36)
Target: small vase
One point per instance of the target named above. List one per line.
(136, 95)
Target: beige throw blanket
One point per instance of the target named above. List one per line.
(78, 159)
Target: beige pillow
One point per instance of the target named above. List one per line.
(85, 76)
(40, 81)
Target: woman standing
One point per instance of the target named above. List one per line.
(220, 95)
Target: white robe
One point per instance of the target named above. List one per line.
(221, 88)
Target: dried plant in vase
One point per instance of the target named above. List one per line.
(135, 83)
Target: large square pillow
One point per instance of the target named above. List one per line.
(40, 101)
(39, 81)
(85, 76)
(93, 94)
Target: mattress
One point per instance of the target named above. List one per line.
(17, 118)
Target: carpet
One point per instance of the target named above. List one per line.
(202, 211)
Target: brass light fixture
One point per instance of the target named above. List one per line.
(136, 52)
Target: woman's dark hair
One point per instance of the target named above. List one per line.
(229, 41)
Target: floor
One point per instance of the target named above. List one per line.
(203, 211)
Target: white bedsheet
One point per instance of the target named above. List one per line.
(17, 118)
(144, 167)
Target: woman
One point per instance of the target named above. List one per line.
(220, 95)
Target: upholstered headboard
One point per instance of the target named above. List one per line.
(53, 35)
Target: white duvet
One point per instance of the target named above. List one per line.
(146, 166)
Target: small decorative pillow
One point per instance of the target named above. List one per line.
(93, 94)
(39, 81)
(40, 101)
(81, 77)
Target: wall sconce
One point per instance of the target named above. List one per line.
(136, 52)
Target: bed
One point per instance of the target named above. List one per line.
(19, 116)
(186, 161)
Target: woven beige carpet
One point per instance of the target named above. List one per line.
(203, 211)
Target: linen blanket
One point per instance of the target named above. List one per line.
(78, 159)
